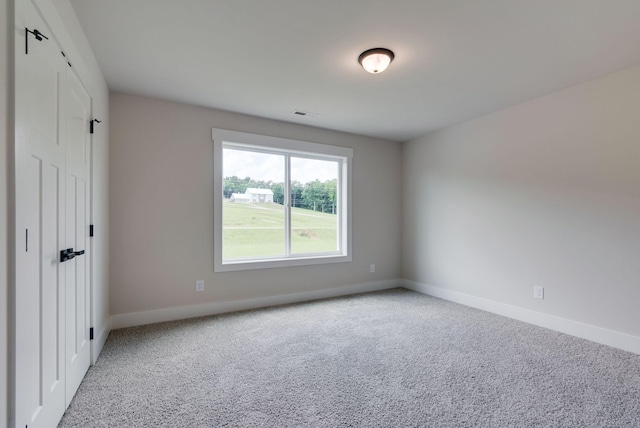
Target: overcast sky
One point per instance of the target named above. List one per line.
(262, 166)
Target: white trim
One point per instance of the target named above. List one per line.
(287, 145)
(590, 332)
(99, 340)
(192, 311)
(265, 263)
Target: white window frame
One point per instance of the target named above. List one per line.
(255, 142)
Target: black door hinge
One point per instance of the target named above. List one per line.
(65, 57)
(91, 124)
(91, 231)
(38, 36)
(91, 333)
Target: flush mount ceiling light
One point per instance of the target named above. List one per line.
(376, 60)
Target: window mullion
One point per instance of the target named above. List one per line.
(339, 204)
(287, 205)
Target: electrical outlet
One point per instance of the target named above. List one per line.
(372, 268)
(538, 292)
(200, 285)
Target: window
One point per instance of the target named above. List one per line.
(279, 202)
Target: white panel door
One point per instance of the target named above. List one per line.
(52, 214)
(40, 224)
(78, 349)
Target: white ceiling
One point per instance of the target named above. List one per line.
(455, 59)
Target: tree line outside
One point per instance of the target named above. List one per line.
(313, 195)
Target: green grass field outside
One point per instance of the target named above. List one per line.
(254, 230)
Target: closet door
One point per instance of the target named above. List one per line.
(52, 214)
(40, 223)
(77, 138)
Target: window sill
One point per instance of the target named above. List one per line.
(240, 265)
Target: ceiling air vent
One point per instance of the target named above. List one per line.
(305, 114)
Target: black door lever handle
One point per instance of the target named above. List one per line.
(68, 254)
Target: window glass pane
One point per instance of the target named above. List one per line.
(314, 206)
(252, 210)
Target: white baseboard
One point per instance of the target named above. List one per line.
(192, 311)
(601, 335)
(99, 341)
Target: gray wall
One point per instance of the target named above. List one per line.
(162, 209)
(543, 193)
(6, 136)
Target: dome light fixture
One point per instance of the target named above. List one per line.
(376, 60)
